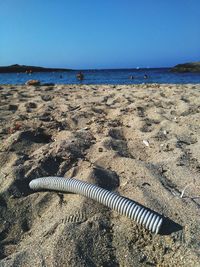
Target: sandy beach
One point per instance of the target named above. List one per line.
(142, 141)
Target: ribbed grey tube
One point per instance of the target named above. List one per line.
(144, 216)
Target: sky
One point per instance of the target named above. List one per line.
(87, 34)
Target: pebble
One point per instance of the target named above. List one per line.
(146, 143)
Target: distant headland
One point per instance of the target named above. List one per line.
(187, 67)
(16, 68)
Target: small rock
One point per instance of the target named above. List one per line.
(33, 82)
(100, 149)
(46, 97)
(146, 143)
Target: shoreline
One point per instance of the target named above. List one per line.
(112, 85)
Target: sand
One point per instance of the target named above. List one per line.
(142, 141)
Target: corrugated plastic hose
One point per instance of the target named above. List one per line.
(144, 216)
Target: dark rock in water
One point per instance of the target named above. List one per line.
(33, 82)
(187, 67)
(28, 69)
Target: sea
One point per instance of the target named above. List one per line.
(104, 76)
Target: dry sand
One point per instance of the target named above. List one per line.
(142, 141)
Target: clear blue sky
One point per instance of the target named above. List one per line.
(99, 33)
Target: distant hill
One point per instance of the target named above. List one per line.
(187, 67)
(23, 68)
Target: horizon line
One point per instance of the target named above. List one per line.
(77, 69)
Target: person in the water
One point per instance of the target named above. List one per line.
(80, 76)
(146, 76)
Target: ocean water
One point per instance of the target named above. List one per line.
(118, 76)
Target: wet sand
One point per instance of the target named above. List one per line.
(142, 141)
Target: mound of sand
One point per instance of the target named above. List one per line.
(142, 141)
